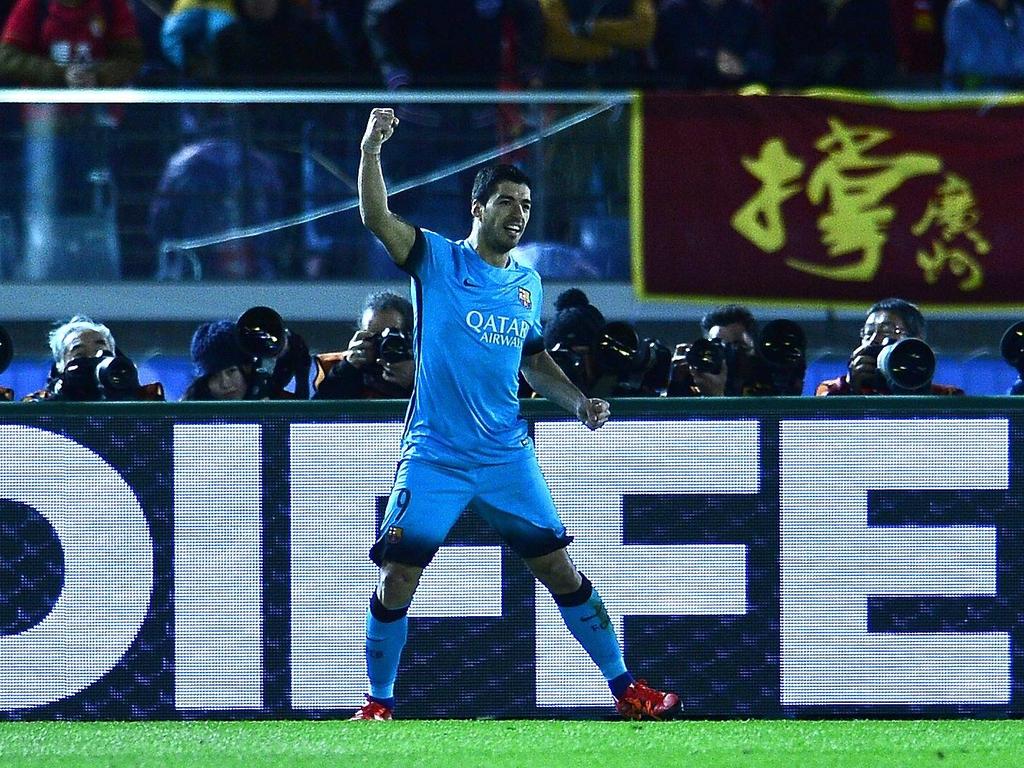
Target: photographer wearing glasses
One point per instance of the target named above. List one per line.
(87, 366)
(379, 360)
(892, 358)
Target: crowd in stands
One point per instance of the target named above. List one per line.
(514, 44)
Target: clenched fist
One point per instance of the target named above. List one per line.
(379, 128)
(593, 412)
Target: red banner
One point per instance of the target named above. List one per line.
(816, 201)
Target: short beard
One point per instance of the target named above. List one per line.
(492, 242)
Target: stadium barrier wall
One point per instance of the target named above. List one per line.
(765, 558)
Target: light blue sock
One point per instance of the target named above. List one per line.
(386, 632)
(585, 616)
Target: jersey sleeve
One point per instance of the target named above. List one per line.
(430, 259)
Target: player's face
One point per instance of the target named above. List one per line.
(503, 220)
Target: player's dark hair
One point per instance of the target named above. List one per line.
(908, 312)
(728, 314)
(487, 180)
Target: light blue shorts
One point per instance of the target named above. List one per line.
(427, 499)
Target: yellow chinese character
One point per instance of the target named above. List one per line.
(856, 184)
(955, 211)
(960, 263)
(760, 219)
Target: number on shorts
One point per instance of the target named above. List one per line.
(403, 499)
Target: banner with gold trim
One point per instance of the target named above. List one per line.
(820, 201)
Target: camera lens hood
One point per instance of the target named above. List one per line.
(908, 365)
(117, 376)
(1012, 345)
(783, 343)
(706, 356)
(261, 332)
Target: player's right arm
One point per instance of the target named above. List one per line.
(398, 236)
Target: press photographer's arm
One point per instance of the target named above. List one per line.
(549, 381)
(863, 367)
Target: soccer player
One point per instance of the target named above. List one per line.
(477, 322)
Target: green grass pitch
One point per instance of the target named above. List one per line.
(500, 743)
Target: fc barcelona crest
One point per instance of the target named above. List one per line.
(525, 298)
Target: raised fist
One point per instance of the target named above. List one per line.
(379, 128)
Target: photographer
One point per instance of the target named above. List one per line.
(704, 369)
(875, 368)
(379, 360)
(732, 358)
(226, 371)
(222, 370)
(604, 358)
(87, 366)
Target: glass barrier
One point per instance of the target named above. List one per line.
(217, 186)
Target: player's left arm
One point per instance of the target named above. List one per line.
(549, 381)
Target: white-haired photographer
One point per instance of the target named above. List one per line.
(87, 367)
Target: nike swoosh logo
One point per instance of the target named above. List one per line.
(469, 284)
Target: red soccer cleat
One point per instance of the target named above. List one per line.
(372, 710)
(641, 702)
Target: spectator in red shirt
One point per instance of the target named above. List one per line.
(73, 43)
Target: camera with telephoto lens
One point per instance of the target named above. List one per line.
(781, 360)
(105, 376)
(776, 366)
(905, 367)
(393, 346)
(708, 356)
(641, 364)
(279, 354)
(1011, 347)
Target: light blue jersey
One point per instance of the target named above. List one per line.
(473, 323)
